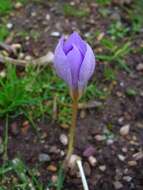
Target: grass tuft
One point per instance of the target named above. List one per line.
(70, 10)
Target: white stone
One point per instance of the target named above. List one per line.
(43, 157)
(16, 46)
(110, 141)
(18, 5)
(49, 57)
(28, 57)
(138, 155)
(102, 168)
(55, 34)
(120, 120)
(62, 153)
(33, 14)
(139, 67)
(21, 55)
(92, 160)
(121, 157)
(9, 25)
(72, 160)
(124, 149)
(47, 17)
(127, 178)
(63, 139)
(124, 130)
(122, 84)
(2, 74)
(100, 138)
(118, 185)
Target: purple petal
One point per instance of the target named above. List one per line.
(61, 63)
(75, 60)
(74, 38)
(87, 68)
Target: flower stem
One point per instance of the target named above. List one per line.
(73, 126)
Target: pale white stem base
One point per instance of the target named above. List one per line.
(83, 178)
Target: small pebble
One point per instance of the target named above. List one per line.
(62, 153)
(28, 58)
(64, 126)
(72, 161)
(127, 178)
(118, 185)
(92, 160)
(43, 136)
(82, 114)
(120, 120)
(54, 150)
(124, 149)
(9, 25)
(138, 155)
(100, 138)
(121, 157)
(16, 46)
(27, 38)
(87, 169)
(132, 142)
(25, 127)
(18, 5)
(102, 168)
(124, 130)
(55, 34)
(139, 125)
(47, 17)
(43, 157)
(141, 93)
(110, 141)
(139, 67)
(49, 57)
(122, 84)
(132, 163)
(33, 14)
(134, 138)
(52, 168)
(63, 139)
(2, 74)
(119, 94)
(126, 170)
(21, 55)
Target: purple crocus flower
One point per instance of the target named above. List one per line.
(74, 61)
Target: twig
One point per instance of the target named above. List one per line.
(83, 178)
(6, 47)
(90, 105)
(42, 61)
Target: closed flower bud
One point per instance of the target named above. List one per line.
(74, 62)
